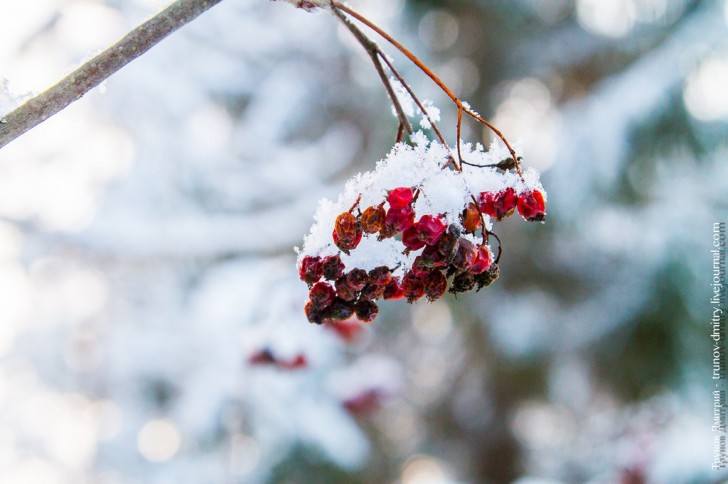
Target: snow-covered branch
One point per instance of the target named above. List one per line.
(90, 74)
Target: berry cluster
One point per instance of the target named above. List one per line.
(449, 253)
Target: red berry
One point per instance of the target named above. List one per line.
(532, 206)
(310, 270)
(322, 295)
(366, 310)
(332, 267)
(420, 268)
(372, 219)
(381, 276)
(435, 285)
(498, 205)
(471, 218)
(344, 289)
(296, 363)
(431, 228)
(400, 198)
(413, 286)
(400, 220)
(483, 261)
(393, 290)
(348, 244)
(412, 238)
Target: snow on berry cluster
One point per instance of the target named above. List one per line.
(412, 228)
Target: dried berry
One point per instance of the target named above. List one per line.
(435, 285)
(372, 292)
(400, 198)
(346, 226)
(449, 242)
(366, 310)
(486, 278)
(498, 205)
(431, 257)
(311, 270)
(532, 206)
(471, 218)
(348, 244)
(393, 290)
(339, 309)
(462, 282)
(372, 219)
(344, 289)
(357, 279)
(332, 266)
(321, 295)
(380, 276)
(313, 314)
(413, 286)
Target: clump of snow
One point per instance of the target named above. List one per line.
(444, 192)
(404, 98)
(8, 100)
(432, 111)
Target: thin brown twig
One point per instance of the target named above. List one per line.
(89, 75)
(373, 51)
(429, 73)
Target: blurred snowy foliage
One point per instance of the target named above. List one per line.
(150, 314)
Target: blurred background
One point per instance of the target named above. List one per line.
(151, 323)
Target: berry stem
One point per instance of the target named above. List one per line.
(375, 53)
(424, 68)
(414, 97)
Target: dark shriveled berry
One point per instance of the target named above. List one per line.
(332, 266)
(463, 282)
(487, 278)
(339, 309)
(435, 285)
(413, 286)
(313, 314)
(344, 290)
(357, 279)
(366, 310)
(372, 292)
(321, 295)
(381, 276)
(448, 242)
(311, 270)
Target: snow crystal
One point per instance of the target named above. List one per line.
(443, 192)
(432, 111)
(8, 101)
(405, 100)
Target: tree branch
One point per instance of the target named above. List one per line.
(89, 75)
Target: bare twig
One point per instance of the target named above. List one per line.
(423, 67)
(71, 88)
(374, 52)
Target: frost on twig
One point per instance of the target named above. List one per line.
(90, 74)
